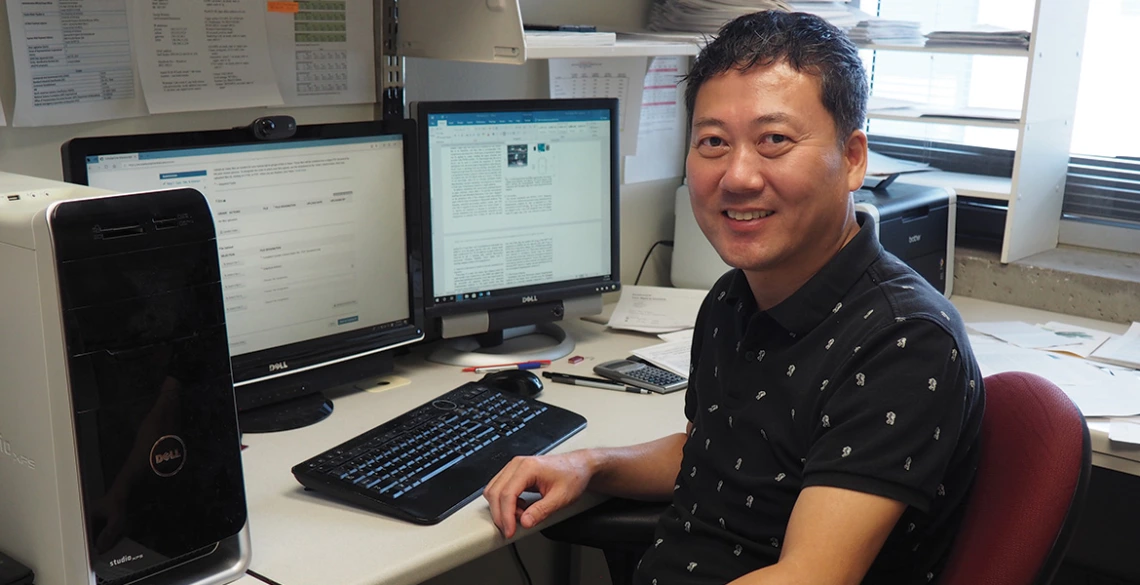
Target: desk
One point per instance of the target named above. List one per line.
(1120, 457)
(304, 538)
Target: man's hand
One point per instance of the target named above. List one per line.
(560, 479)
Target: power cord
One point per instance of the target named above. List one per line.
(648, 254)
(522, 567)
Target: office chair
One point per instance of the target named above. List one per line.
(1030, 485)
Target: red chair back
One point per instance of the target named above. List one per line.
(1030, 483)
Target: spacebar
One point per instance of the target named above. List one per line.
(442, 468)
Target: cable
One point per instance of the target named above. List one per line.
(647, 255)
(522, 567)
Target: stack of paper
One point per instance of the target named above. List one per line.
(655, 309)
(1096, 391)
(881, 30)
(707, 16)
(882, 169)
(980, 35)
(543, 38)
(1121, 351)
(839, 14)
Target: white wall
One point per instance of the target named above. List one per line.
(35, 151)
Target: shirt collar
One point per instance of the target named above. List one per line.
(818, 297)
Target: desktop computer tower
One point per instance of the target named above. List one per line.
(915, 223)
(119, 450)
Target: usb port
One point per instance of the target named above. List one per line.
(13, 198)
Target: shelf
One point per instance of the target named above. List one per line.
(948, 49)
(917, 117)
(965, 185)
(622, 48)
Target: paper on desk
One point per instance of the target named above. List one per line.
(1095, 391)
(73, 63)
(615, 77)
(656, 309)
(1124, 430)
(684, 334)
(1024, 335)
(674, 356)
(661, 131)
(1089, 339)
(1123, 350)
(195, 56)
(324, 54)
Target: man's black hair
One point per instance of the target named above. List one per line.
(808, 43)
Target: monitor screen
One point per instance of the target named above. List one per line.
(520, 203)
(312, 233)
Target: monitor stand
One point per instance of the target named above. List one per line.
(293, 413)
(545, 341)
(298, 400)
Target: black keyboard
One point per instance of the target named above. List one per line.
(432, 460)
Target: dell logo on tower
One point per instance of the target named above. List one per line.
(914, 239)
(530, 299)
(277, 367)
(168, 455)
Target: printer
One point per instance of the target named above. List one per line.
(119, 450)
(915, 223)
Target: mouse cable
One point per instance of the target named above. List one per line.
(647, 255)
(522, 567)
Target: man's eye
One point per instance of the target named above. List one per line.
(714, 141)
(776, 138)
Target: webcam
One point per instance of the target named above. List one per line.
(273, 127)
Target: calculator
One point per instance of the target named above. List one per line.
(641, 375)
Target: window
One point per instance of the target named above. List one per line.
(1102, 193)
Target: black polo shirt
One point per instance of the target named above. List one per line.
(863, 379)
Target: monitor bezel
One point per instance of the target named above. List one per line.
(305, 355)
(529, 294)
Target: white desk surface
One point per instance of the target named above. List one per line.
(1121, 457)
(304, 538)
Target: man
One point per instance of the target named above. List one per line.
(834, 403)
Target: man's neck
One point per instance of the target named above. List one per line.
(772, 287)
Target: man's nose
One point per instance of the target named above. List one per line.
(744, 173)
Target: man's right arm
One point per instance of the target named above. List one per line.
(646, 471)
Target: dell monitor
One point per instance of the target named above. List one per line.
(319, 267)
(520, 219)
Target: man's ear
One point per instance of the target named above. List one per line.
(855, 157)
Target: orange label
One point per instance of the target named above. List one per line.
(289, 7)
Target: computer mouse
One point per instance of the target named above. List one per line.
(520, 382)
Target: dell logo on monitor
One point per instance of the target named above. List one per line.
(530, 299)
(277, 367)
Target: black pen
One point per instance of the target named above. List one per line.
(592, 382)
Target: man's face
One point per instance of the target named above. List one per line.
(768, 178)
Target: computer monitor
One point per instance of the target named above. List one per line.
(520, 217)
(318, 262)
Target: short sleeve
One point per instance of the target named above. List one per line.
(892, 424)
